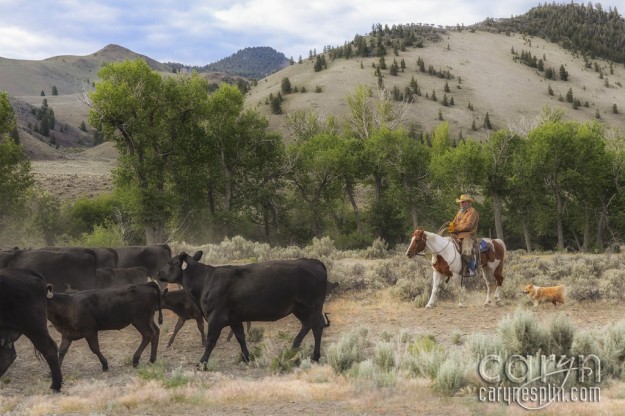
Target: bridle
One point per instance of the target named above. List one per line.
(413, 252)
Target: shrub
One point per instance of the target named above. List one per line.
(424, 357)
(348, 351)
(286, 360)
(562, 333)
(321, 247)
(481, 345)
(384, 356)
(612, 345)
(452, 375)
(109, 235)
(410, 289)
(377, 250)
(157, 371)
(521, 335)
(612, 284)
(255, 334)
(584, 343)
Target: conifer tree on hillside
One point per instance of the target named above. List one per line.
(564, 75)
(487, 122)
(285, 86)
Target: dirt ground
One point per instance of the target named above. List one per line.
(250, 386)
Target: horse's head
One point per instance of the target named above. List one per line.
(417, 243)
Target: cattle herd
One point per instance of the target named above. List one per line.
(82, 291)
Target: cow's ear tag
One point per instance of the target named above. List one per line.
(184, 265)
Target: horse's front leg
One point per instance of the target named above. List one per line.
(437, 278)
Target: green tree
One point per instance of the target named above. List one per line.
(147, 117)
(487, 122)
(564, 75)
(499, 152)
(15, 171)
(550, 158)
(239, 162)
(54, 90)
(313, 166)
(275, 104)
(285, 86)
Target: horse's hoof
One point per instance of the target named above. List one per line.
(428, 306)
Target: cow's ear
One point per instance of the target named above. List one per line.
(198, 255)
(49, 291)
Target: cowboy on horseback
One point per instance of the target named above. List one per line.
(464, 229)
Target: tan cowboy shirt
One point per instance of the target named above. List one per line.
(466, 223)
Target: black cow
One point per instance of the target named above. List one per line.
(109, 277)
(181, 303)
(268, 291)
(105, 256)
(23, 310)
(153, 258)
(83, 314)
(65, 269)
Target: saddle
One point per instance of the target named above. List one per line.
(483, 252)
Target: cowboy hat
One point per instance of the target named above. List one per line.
(464, 197)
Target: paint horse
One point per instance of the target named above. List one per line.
(447, 263)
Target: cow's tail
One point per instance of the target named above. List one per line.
(326, 322)
(158, 301)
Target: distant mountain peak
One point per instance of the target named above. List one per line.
(113, 48)
(115, 52)
(253, 62)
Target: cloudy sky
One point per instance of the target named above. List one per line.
(198, 32)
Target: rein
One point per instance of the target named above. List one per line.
(441, 250)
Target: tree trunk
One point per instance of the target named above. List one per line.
(601, 225)
(349, 189)
(526, 235)
(586, 236)
(498, 207)
(560, 209)
(154, 232)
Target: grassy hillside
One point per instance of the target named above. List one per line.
(485, 75)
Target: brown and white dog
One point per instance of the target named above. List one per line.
(538, 295)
